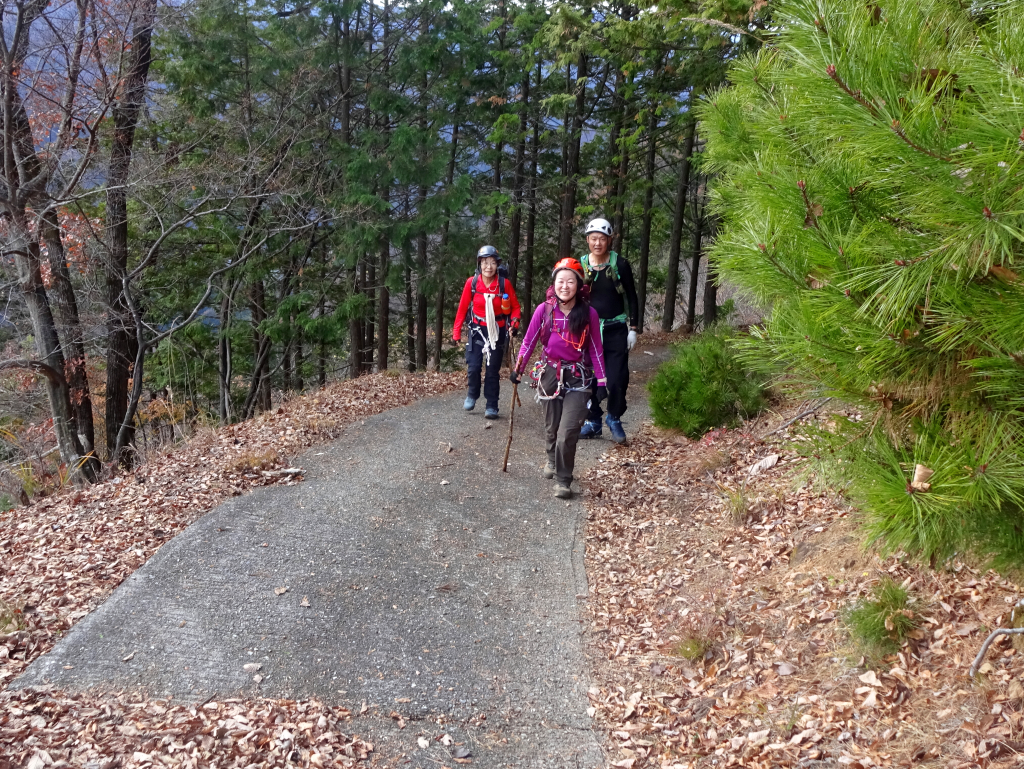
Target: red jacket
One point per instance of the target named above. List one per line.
(479, 306)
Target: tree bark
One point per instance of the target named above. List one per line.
(369, 339)
(410, 316)
(383, 293)
(668, 318)
(443, 255)
(698, 241)
(710, 296)
(645, 231)
(567, 213)
(224, 350)
(517, 184)
(69, 321)
(619, 217)
(30, 282)
(421, 280)
(122, 345)
(499, 148)
(531, 215)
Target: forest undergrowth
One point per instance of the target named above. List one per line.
(725, 588)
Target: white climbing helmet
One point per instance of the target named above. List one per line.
(599, 225)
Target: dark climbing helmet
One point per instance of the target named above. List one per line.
(487, 251)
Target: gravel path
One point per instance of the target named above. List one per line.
(420, 581)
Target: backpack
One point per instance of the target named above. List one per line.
(502, 275)
(613, 271)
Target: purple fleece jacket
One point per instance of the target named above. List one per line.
(558, 348)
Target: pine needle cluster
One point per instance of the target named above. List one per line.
(705, 386)
(871, 165)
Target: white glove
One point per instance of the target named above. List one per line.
(631, 339)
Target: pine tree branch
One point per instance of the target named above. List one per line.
(894, 126)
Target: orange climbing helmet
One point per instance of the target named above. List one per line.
(568, 263)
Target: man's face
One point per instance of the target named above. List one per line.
(598, 243)
(488, 267)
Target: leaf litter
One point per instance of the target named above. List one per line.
(720, 578)
(63, 555)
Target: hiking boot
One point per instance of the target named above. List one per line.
(469, 403)
(548, 471)
(615, 427)
(591, 429)
(490, 413)
(562, 490)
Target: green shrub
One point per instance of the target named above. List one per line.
(704, 386)
(880, 625)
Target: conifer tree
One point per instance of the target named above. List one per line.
(872, 163)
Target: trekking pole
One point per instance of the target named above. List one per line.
(511, 416)
(512, 412)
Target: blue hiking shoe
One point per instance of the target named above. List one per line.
(490, 413)
(615, 427)
(591, 429)
(469, 404)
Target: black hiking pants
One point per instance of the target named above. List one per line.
(475, 365)
(616, 367)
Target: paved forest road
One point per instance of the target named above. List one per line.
(420, 581)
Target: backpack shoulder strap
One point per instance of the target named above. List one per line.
(588, 274)
(547, 323)
(613, 265)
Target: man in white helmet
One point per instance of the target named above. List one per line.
(613, 295)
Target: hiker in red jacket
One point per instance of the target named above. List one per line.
(495, 311)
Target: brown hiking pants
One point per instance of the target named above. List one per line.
(563, 419)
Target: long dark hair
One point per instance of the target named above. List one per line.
(579, 316)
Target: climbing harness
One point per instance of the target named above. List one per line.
(573, 376)
(486, 327)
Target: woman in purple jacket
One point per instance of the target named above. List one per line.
(569, 332)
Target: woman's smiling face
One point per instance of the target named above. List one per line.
(488, 267)
(566, 283)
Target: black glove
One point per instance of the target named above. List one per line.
(514, 377)
(602, 393)
(514, 328)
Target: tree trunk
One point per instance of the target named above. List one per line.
(672, 280)
(410, 316)
(531, 216)
(67, 317)
(357, 277)
(383, 294)
(698, 241)
(259, 388)
(443, 255)
(122, 344)
(421, 292)
(572, 166)
(612, 173)
(710, 296)
(619, 217)
(517, 184)
(26, 257)
(224, 351)
(299, 360)
(369, 340)
(499, 148)
(645, 231)
(321, 353)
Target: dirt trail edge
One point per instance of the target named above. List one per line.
(418, 580)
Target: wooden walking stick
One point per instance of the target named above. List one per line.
(511, 415)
